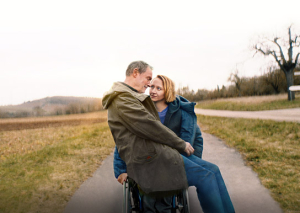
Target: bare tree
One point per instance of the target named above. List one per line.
(237, 80)
(274, 77)
(275, 48)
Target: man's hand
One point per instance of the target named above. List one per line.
(188, 149)
(122, 177)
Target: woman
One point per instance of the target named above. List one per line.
(178, 114)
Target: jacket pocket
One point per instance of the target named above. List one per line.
(145, 152)
(145, 158)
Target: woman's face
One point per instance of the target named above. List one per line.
(156, 91)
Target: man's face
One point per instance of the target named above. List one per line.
(142, 81)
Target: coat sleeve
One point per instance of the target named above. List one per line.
(191, 132)
(198, 143)
(187, 127)
(144, 124)
(119, 164)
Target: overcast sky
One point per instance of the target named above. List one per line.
(79, 48)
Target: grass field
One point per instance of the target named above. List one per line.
(44, 160)
(252, 103)
(271, 148)
(9, 124)
(42, 166)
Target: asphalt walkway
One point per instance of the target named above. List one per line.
(103, 194)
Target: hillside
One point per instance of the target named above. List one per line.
(56, 105)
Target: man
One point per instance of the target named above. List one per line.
(151, 151)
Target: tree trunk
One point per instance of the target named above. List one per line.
(275, 87)
(290, 82)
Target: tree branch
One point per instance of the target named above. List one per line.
(267, 52)
(296, 42)
(281, 52)
(290, 51)
(297, 59)
(278, 61)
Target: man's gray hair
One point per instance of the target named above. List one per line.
(141, 65)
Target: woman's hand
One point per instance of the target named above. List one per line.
(122, 177)
(188, 149)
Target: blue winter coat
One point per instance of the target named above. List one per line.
(182, 120)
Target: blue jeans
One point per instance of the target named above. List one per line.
(211, 190)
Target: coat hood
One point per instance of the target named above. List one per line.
(182, 103)
(117, 88)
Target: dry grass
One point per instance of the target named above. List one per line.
(45, 166)
(271, 148)
(252, 103)
(52, 121)
(255, 99)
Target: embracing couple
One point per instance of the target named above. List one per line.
(158, 142)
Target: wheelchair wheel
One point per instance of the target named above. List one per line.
(126, 198)
(182, 200)
(131, 198)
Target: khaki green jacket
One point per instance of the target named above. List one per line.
(149, 149)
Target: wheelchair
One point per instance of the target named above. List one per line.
(132, 200)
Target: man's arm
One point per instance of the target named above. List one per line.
(145, 125)
(120, 168)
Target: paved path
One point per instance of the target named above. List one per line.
(99, 194)
(103, 194)
(277, 115)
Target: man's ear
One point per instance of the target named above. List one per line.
(135, 72)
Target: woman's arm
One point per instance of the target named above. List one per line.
(198, 143)
(191, 132)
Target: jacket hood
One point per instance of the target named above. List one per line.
(116, 89)
(181, 102)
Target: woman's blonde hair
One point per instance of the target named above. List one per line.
(169, 88)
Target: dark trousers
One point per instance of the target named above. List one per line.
(153, 205)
